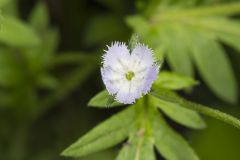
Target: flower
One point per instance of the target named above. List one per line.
(128, 76)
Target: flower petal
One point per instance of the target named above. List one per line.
(128, 93)
(111, 78)
(142, 55)
(150, 77)
(116, 55)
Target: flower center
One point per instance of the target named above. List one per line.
(129, 75)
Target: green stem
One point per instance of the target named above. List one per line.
(223, 9)
(169, 96)
(212, 113)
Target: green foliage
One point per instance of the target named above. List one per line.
(3, 3)
(174, 81)
(169, 143)
(39, 18)
(231, 40)
(191, 34)
(178, 53)
(36, 74)
(17, 34)
(172, 97)
(148, 128)
(103, 99)
(138, 147)
(105, 135)
(10, 69)
(31, 82)
(180, 114)
(145, 130)
(25, 60)
(205, 141)
(212, 70)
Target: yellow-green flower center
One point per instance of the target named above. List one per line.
(129, 75)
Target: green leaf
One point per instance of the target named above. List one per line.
(203, 11)
(139, 24)
(102, 100)
(216, 25)
(39, 18)
(170, 96)
(16, 33)
(170, 29)
(138, 147)
(11, 72)
(169, 143)
(178, 50)
(3, 3)
(47, 81)
(109, 133)
(49, 46)
(180, 114)
(216, 71)
(231, 40)
(174, 81)
(42, 56)
(10, 8)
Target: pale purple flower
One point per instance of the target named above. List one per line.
(128, 76)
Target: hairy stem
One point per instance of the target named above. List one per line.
(197, 107)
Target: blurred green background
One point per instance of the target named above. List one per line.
(50, 55)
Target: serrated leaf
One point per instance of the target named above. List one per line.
(16, 33)
(102, 100)
(174, 81)
(169, 143)
(107, 134)
(179, 114)
(138, 147)
(216, 71)
(39, 18)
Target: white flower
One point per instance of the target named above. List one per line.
(128, 76)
